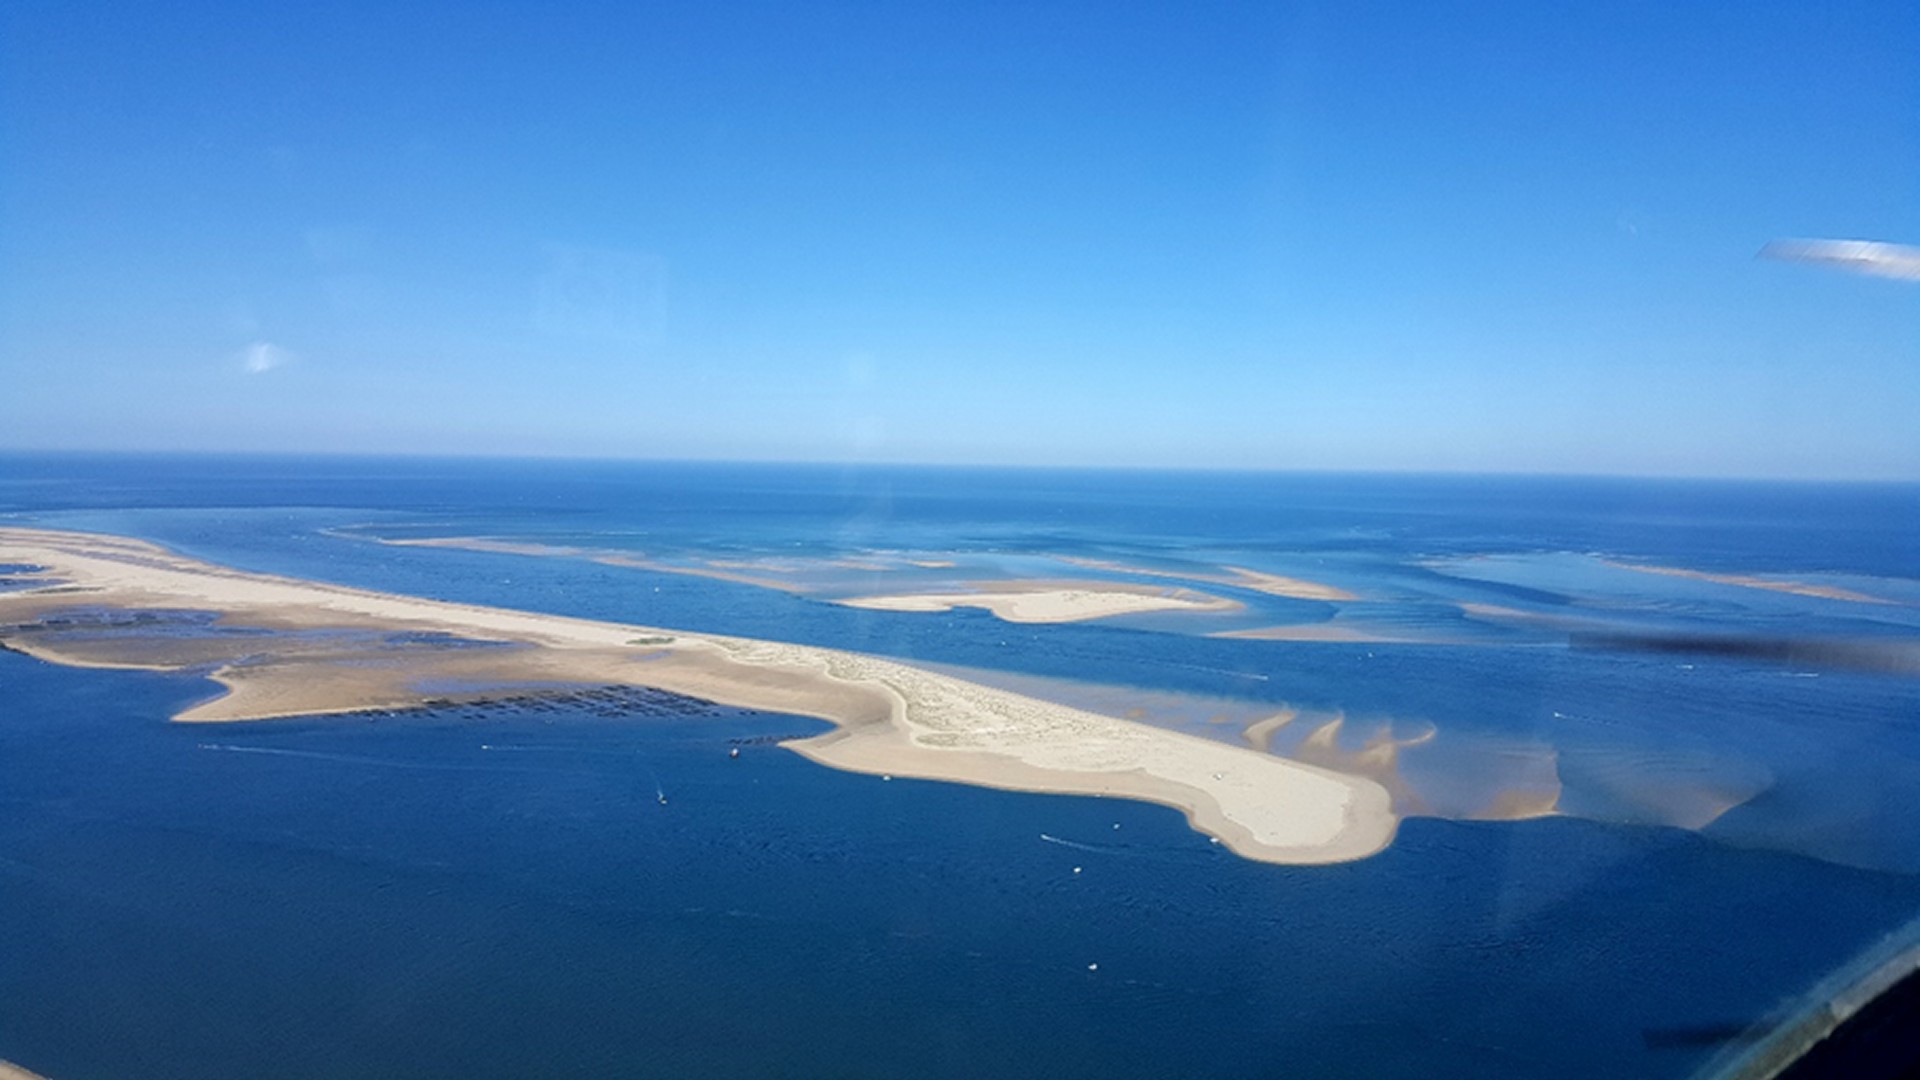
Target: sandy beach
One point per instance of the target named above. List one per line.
(331, 649)
(1051, 601)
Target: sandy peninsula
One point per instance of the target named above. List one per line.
(1051, 601)
(283, 647)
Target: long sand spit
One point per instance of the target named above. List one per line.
(328, 656)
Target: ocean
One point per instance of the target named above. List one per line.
(540, 889)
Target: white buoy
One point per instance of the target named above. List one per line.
(734, 753)
(1093, 967)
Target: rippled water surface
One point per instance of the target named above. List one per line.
(571, 889)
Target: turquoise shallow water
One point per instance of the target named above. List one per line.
(343, 898)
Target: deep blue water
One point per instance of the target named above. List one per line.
(1730, 525)
(343, 898)
(390, 900)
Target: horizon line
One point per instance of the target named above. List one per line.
(849, 463)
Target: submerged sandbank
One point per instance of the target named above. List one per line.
(1023, 600)
(1234, 576)
(720, 570)
(286, 647)
(1328, 633)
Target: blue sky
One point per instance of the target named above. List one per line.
(1496, 236)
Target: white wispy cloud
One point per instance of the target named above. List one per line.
(1895, 261)
(263, 356)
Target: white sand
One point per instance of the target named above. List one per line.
(1051, 602)
(891, 718)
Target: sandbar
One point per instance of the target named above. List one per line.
(1082, 604)
(1235, 576)
(1750, 581)
(1051, 601)
(286, 647)
(719, 570)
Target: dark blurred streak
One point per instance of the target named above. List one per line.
(1671, 1038)
(1900, 657)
